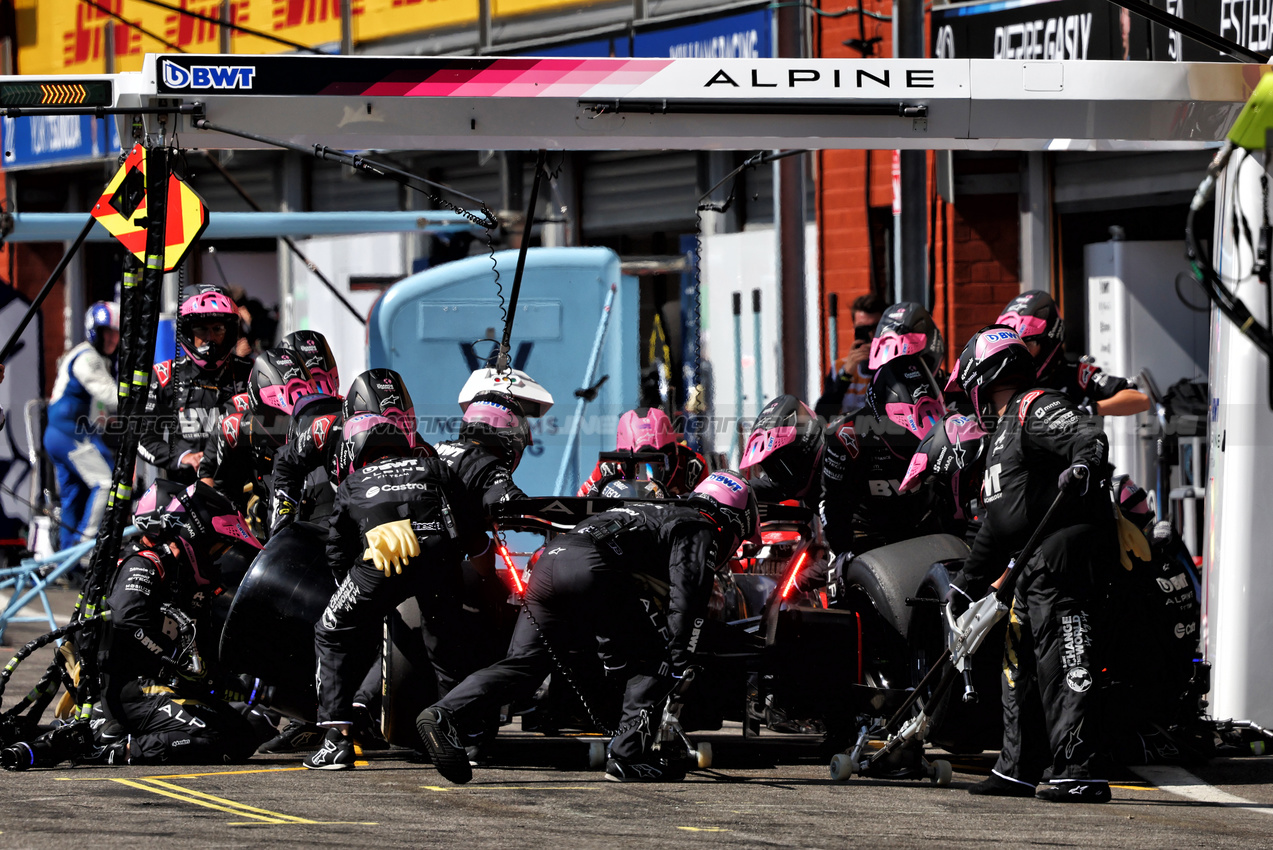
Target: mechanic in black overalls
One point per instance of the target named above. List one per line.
(400, 526)
(631, 584)
(1041, 443)
(189, 394)
(1037, 320)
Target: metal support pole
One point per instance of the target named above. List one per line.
(224, 32)
(738, 373)
(590, 375)
(833, 328)
(346, 27)
(913, 239)
(756, 349)
(789, 218)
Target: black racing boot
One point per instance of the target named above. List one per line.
(1075, 791)
(366, 731)
(297, 736)
(442, 739)
(653, 770)
(996, 785)
(337, 753)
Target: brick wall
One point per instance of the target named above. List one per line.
(975, 241)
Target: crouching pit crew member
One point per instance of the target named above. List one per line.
(399, 527)
(1041, 443)
(632, 583)
(162, 702)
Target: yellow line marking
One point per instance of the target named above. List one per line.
(1135, 787)
(703, 828)
(308, 822)
(223, 773)
(246, 809)
(131, 784)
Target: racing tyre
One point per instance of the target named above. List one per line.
(703, 754)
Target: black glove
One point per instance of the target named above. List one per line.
(1072, 476)
(285, 508)
(957, 600)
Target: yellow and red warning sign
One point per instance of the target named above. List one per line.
(122, 211)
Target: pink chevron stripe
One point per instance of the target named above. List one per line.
(529, 78)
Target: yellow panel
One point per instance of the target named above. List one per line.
(509, 8)
(385, 18)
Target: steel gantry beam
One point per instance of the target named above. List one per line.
(458, 103)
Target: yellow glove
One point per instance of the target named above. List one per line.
(1131, 540)
(391, 545)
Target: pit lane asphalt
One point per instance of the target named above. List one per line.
(772, 792)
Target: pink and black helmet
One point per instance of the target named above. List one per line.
(645, 428)
(907, 328)
(199, 517)
(210, 305)
(1036, 318)
(148, 516)
(903, 391)
(495, 420)
(366, 438)
(318, 357)
(953, 453)
(993, 355)
(279, 379)
(383, 392)
(727, 498)
(786, 442)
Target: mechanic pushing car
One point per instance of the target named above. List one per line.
(400, 527)
(631, 584)
(162, 702)
(649, 429)
(1052, 681)
(305, 473)
(188, 394)
(1036, 318)
(239, 462)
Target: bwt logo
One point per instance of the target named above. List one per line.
(208, 76)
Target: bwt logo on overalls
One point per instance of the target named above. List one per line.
(208, 76)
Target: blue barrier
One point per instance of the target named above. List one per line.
(30, 580)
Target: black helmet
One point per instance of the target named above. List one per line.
(904, 391)
(615, 486)
(907, 328)
(365, 438)
(953, 454)
(995, 354)
(727, 498)
(1035, 318)
(318, 358)
(382, 391)
(151, 507)
(786, 442)
(279, 379)
(495, 420)
(198, 518)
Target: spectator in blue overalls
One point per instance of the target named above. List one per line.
(73, 438)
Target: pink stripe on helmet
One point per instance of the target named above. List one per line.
(326, 381)
(208, 304)
(234, 526)
(284, 398)
(653, 430)
(890, 345)
(488, 413)
(919, 463)
(726, 488)
(996, 339)
(918, 418)
(1026, 326)
(404, 419)
(960, 428)
(762, 444)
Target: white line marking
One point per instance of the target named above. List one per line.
(1178, 781)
